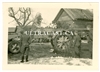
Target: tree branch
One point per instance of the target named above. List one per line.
(16, 12)
(27, 13)
(20, 9)
(28, 23)
(24, 14)
(12, 14)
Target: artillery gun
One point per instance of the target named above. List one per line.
(64, 43)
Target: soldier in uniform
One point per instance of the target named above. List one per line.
(90, 38)
(77, 44)
(25, 41)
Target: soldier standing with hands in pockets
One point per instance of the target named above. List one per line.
(25, 42)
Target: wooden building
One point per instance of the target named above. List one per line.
(73, 18)
(76, 19)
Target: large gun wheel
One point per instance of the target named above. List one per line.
(62, 43)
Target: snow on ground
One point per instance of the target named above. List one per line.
(55, 61)
(41, 54)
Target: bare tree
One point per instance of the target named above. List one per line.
(23, 18)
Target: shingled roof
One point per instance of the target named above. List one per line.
(76, 14)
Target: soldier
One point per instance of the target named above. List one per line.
(90, 38)
(77, 44)
(25, 41)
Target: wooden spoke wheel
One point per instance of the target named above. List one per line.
(61, 43)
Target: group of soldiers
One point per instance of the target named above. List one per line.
(26, 41)
(77, 44)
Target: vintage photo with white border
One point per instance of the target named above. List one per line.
(50, 36)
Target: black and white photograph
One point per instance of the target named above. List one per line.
(50, 36)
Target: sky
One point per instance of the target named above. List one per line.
(48, 14)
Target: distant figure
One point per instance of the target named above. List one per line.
(25, 42)
(77, 44)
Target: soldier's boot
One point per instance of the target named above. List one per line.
(26, 58)
(22, 59)
(77, 55)
(91, 55)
